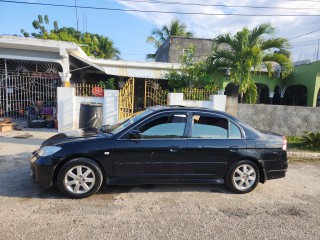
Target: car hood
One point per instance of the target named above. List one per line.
(74, 135)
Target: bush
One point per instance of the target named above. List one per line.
(312, 140)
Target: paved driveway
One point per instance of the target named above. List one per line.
(287, 208)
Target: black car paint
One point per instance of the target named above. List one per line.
(130, 161)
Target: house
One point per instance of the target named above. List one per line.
(300, 89)
(32, 69)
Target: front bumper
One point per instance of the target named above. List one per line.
(42, 170)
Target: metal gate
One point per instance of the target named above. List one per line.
(153, 94)
(126, 99)
(27, 97)
(28, 89)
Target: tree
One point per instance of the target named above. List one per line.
(246, 52)
(92, 44)
(158, 36)
(191, 74)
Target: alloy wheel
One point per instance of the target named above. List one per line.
(244, 177)
(79, 179)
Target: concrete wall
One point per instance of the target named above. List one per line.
(287, 120)
(173, 47)
(69, 107)
(217, 102)
(232, 105)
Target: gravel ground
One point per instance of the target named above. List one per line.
(287, 208)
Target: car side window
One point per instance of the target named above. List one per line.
(234, 131)
(209, 127)
(169, 126)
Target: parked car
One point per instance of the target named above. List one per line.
(162, 145)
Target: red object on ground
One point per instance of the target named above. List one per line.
(97, 92)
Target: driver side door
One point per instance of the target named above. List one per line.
(158, 153)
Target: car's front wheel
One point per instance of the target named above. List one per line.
(243, 176)
(79, 178)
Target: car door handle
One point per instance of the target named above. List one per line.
(174, 149)
(234, 148)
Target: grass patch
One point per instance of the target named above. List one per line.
(296, 143)
(303, 160)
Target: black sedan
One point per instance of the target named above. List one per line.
(162, 145)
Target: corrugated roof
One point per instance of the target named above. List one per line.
(151, 70)
(135, 72)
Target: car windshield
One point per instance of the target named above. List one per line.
(124, 123)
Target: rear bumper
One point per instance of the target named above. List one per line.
(276, 174)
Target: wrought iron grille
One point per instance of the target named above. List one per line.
(25, 97)
(154, 95)
(197, 94)
(28, 89)
(87, 89)
(126, 100)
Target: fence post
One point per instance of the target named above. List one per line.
(175, 99)
(110, 107)
(218, 102)
(65, 113)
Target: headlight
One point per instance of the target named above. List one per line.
(48, 150)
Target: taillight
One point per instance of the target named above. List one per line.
(284, 145)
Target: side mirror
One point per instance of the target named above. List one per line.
(134, 134)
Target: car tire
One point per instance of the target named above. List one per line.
(242, 176)
(79, 178)
(36, 123)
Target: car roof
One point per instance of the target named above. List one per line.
(188, 108)
(250, 131)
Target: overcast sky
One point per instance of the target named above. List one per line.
(129, 30)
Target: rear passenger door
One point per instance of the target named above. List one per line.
(213, 142)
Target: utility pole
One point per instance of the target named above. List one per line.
(75, 5)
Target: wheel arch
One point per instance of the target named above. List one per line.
(69, 158)
(263, 175)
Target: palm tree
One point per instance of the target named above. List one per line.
(158, 36)
(246, 52)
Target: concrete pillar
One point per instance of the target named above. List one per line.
(221, 92)
(271, 94)
(219, 102)
(110, 107)
(65, 78)
(65, 109)
(175, 99)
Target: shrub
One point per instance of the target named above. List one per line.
(311, 140)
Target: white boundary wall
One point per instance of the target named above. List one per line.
(69, 107)
(217, 102)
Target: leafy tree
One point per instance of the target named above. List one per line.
(158, 36)
(191, 74)
(108, 84)
(92, 44)
(246, 52)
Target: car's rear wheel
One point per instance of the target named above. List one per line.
(243, 176)
(79, 178)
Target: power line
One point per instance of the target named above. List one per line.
(162, 12)
(305, 34)
(216, 5)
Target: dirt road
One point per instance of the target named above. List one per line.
(286, 208)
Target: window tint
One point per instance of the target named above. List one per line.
(209, 127)
(234, 131)
(171, 126)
